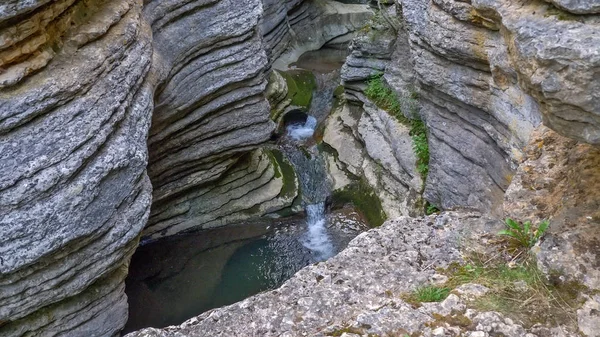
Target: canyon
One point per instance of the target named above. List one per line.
(128, 122)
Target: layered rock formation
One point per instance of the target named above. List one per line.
(485, 74)
(308, 25)
(369, 142)
(75, 108)
(80, 81)
(210, 113)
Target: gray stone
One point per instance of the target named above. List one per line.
(588, 317)
(74, 190)
(578, 6)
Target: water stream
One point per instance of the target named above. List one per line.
(314, 184)
(177, 278)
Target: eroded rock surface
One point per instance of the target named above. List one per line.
(359, 292)
(80, 83)
(560, 181)
(75, 108)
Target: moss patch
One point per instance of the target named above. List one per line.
(301, 85)
(283, 169)
(363, 197)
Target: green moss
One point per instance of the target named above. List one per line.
(301, 85)
(363, 197)
(338, 91)
(283, 169)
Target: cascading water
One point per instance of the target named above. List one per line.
(314, 185)
(317, 239)
(304, 131)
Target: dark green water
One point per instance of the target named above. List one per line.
(177, 278)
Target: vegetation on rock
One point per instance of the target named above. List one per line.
(518, 290)
(385, 98)
(366, 201)
(523, 235)
(431, 293)
(301, 84)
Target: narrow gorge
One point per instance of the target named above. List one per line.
(300, 168)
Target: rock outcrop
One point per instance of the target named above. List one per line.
(486, 74)
(75, 106)
(309, 25)
(210, 114)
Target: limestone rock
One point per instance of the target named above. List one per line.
(560, 181)
(578, 6)
(358, 291)
(313, 24)
(379, 149)
(588, 317)
(477, 115)
(74, 194)
(554, 55)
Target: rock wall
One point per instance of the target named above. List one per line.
(486, 74)
(81, 81)
(308, 25)
(210, 114)
(75, 105)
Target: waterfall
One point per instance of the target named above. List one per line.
(304, 131)
(314, 184)
(317, 239)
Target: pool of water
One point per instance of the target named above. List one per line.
(177, 278)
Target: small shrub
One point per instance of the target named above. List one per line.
(523, 235)
(431, 294)
(431, 209)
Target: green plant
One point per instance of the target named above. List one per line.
(524, 235)
(420, 146)
(430, 209)
(431, 293)
(518, 290)
(385, 98)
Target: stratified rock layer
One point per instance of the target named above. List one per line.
(210, 113)
(75, 108)
(486, 74)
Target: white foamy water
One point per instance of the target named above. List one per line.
(302, 131)
(317, 239)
